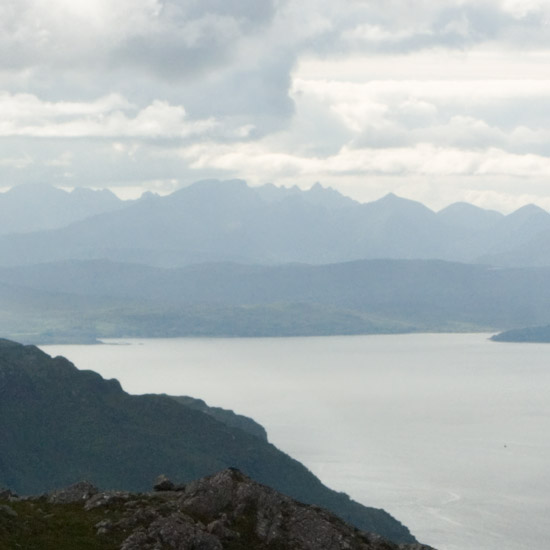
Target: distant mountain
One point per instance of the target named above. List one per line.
(469, 218)
(72, 301)
(227, 221)
(60, 425)
(534, 251)
(36, 207)
(317, 195)
(393, 227)
(518, 230)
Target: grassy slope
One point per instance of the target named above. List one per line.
(41, 525)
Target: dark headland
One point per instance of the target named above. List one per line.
(540, 335)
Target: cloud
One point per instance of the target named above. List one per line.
(470, 114)
(421, 159)
(521, 9)
(107, 117)
(16, 163)
(180, 49)
(418, 97)
(404, 27)
(168, 37)
(58, 33)
(65, 159)
(28, 107)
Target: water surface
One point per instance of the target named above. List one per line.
(448, 432)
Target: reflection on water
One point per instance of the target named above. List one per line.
(448, 432)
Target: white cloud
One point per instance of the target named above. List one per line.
(28, 107)
(376, 33)
(523, 8)
(65, 159)
(53, 31)
(488, 62)
(27, 115)
(382, 95)
(464, 113)
(436, 176)
(19, 163)
(422, 159)
(499, 162)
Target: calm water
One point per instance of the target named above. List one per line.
(449, 433)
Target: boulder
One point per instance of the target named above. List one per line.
(79, 492)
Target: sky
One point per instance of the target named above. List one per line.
(434, 100)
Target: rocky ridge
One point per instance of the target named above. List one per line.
(225, 511)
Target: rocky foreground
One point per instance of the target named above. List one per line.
(226, 511)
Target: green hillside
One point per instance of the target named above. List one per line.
(60, 425)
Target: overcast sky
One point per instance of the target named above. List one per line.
(434, 100)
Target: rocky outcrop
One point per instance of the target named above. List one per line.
(226, 511)
(79, 492)
(6, 494)
(7, 511)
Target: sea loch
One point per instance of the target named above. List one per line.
(448, 432)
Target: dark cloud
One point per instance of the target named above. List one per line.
(251, 12)
(191, 38)
(172, 57)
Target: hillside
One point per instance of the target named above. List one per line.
(60, 425)
(225, 416)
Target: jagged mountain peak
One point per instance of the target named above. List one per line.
(469, 217)
(38, 206)
(227, 220)
(215, 185)
(31, 189)
(391, 200)
(462, 206)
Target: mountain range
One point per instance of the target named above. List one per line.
(220, 258)
(217, 221)
(37, 207)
